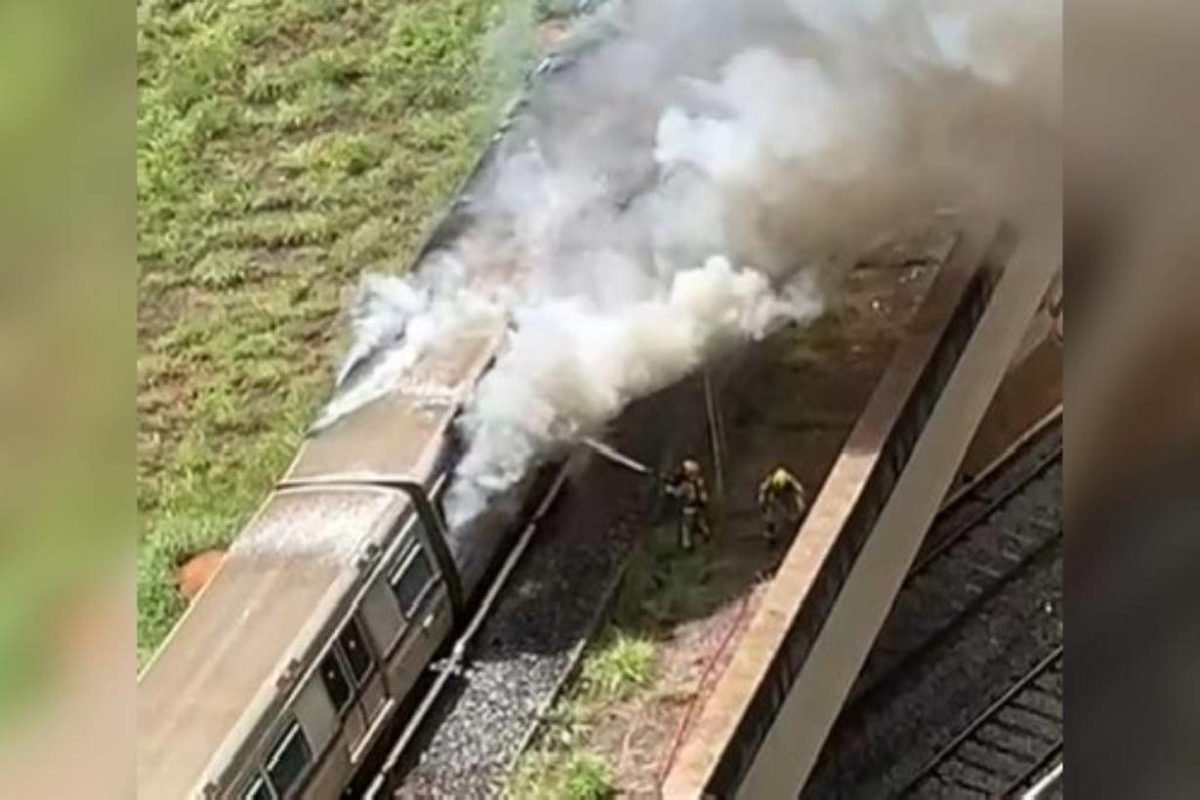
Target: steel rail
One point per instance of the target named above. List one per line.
(1049, 782)
(1053, 754)
(930, 769)
(980, 517)
(964, 494)
(902, 665)
(1025, 440)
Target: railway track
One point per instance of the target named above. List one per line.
(478, 716)
(971, 504)
(455, 663)
(961, 695)
(987, 533)
(1008, 749)
(521, 645)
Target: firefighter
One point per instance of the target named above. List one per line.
(782, 501)
(687, 485)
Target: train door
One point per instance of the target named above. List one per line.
(406, 609)
(353, 681)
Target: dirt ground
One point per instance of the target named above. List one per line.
(793, 402)
(195, 573)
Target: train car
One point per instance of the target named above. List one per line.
(285, 672)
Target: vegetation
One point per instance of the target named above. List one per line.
(560, 766)
(283, 147)
(661, 587)
(620, 665)
(576, 776)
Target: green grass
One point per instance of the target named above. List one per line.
(662, 585)
(284, 146)
(586, 777)
(560, 766)
(620, 664)
(578, 775)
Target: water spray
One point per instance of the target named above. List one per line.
(618, 458)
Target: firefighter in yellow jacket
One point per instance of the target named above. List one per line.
(782, 501)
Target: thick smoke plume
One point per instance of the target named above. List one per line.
(695, 176)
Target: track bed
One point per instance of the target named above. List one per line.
(938, 710)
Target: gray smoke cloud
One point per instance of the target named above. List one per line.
(696, 177)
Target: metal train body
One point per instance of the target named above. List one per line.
(284, 674)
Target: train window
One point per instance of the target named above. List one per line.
(258, 791)
(412, 580)
(334, 678)
(347, 665)
(289, 760)
(358, 658)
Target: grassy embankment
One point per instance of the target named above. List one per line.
(283, 147)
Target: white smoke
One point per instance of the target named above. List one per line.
(572, 366)
(397, 321)
(692, 181)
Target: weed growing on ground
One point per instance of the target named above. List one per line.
(619, 665)
(577, 775)
(661, 583)
(587, 777)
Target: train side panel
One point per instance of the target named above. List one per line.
(355, 740)
(355, 683)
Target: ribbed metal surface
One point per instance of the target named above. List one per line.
(962, 693)
(1006, 749)
(974, 547)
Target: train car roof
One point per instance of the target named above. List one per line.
(212, 681)
(388, 438)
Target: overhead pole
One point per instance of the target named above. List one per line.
(714, 428)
